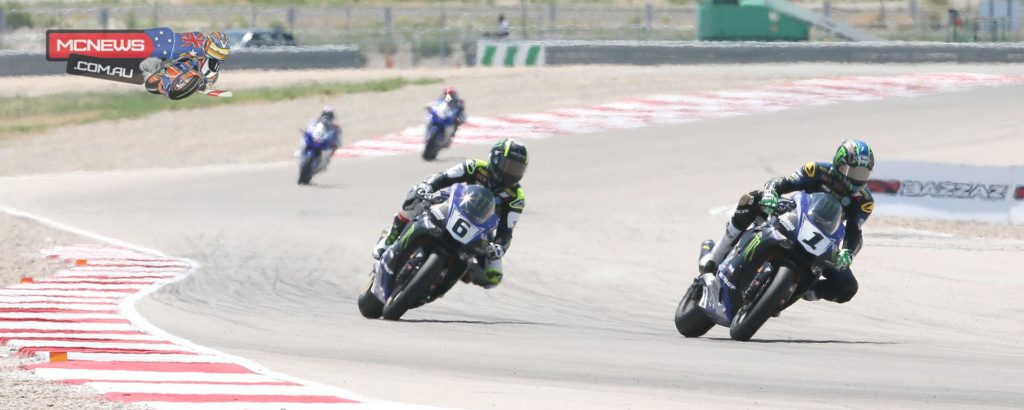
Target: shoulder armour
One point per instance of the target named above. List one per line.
(520, 200)
(473, 165)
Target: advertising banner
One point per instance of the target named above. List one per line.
(948, 191)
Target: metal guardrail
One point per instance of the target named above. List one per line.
(271, 58)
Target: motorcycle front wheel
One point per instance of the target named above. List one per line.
(306, 168)
(750, 318)
(433, 145)
(415, 289)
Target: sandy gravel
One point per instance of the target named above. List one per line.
(22, 240)
(19, 256)
(269, 132)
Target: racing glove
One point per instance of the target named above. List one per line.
(423, 190)
(769, 201)
(495, 251)
(843, 259)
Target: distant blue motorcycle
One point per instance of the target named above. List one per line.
(436, 249)
(318, 145)
(769, 269)
(441, 118)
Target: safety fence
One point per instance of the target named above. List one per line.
(444, 30)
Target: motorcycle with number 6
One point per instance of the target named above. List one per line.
(440, 246)
(771, 266)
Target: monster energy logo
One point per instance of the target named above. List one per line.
(748, 252)
(408, 233)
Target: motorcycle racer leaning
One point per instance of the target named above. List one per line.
(501, 175)
(215, 49)
(845, 177)
(450, 97)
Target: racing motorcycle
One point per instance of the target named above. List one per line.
(316, 151)
(181, 79)
(442, 245)
(440, 128)
(769, 269)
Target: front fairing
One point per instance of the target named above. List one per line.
(465, 225)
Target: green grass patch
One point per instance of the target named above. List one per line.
(28, 114)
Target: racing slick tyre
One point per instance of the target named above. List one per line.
(369, 305)
(690, 319)
(750, 318)
(306, 169)
(410, 295)
(433, 145)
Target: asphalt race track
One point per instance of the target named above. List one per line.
(601, 257)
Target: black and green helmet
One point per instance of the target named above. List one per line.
(508, 162)
(853, 163)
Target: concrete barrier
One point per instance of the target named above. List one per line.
(653, 53)
(271, 58)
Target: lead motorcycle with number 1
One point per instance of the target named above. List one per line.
(771, 266)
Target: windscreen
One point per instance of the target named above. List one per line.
(825, 212)
(476, 204)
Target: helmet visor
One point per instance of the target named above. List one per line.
(511, 171)
(856, 175)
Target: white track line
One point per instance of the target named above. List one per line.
(114, 375)
(58, 344)
(58, 316)
(53, 299)
(140, 357)
(27, 324)
(77, 286)
(64, 293)
(98, 307)
(193, 388)
(60, 336)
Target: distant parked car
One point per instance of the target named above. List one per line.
(260, 38)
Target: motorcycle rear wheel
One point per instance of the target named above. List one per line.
(369, 306)
(690, 319)
(748, 320)
(414, 290)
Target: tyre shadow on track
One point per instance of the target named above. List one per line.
(476, 322)
(325, 186)
(807, 341)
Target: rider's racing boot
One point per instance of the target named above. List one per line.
(388, 237)
(709, 263)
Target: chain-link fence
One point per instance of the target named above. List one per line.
(443, 29)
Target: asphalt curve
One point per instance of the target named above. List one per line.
(606, 246)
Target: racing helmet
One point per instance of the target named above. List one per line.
(327, 114)
(853, 163)
(217, 46)
(507, 163)
(450, 94)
